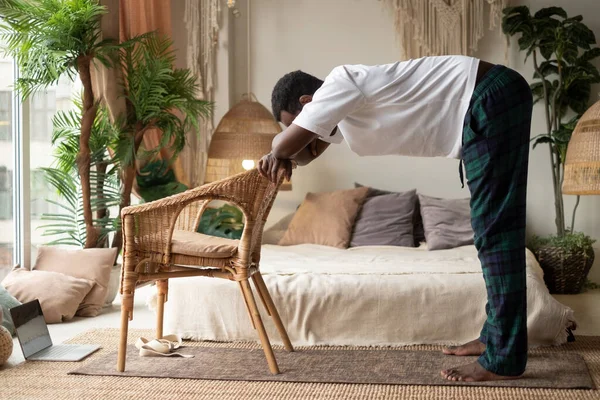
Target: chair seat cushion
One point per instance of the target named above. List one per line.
(199, 245)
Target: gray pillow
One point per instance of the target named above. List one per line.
(7, 301)
(447, 222)
(385, 220)
(418, 231)
(274, 234)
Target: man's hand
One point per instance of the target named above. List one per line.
(269, 165)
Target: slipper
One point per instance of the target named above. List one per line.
(160, 347)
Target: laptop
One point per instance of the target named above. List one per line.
(34, 337)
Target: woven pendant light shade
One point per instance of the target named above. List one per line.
(582, 164)
(242, 137)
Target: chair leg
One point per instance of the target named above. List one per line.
(262, 333)
(270, 306)
(247, 306)
(123, 339)
(163, 289)
(129, 281)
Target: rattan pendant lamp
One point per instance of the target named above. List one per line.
(243, 135)
(582, 164)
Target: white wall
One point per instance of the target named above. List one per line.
(317, 35)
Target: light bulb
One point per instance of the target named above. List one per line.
(248, 164)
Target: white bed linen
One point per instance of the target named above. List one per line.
(380, 295)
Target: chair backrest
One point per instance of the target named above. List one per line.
(263, 202)
(249, 190)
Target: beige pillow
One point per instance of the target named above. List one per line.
(92, 264)
(325, 218)
(59, 294)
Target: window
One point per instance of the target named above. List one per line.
(7, 166)
(43, 107)
(5, 114)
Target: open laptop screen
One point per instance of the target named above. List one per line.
(31, 328)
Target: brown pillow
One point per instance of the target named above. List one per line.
(59, 294)
(325, 218)
(92, 264)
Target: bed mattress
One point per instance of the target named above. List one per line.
(376, 295)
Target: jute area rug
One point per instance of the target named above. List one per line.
(50, 380)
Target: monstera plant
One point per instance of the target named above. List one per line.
(562, 49)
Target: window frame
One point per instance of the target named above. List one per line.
(21, 178)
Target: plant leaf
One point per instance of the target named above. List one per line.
(550, 12)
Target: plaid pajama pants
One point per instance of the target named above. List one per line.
(495, 155)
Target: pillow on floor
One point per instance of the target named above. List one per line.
(91, 264)
(325, 218)
(418, 231)
(59, 294)
(385, 220)
(274, 234)
(447, 222)
(7, 301)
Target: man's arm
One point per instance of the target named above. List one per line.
(298, 144)
(294, 143)
(310, 152)
(287, 144)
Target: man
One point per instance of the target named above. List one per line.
(451, 106)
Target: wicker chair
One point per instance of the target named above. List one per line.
(161, 242)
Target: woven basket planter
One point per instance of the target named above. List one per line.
(565, 273)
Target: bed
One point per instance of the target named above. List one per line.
(372, 295)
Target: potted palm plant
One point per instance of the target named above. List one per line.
(96, 160)
(562, 49)
(155, 95)
(53, 38)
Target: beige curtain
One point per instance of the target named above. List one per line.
(142, 16)
(126, 19)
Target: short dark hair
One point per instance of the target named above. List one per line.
(287, 92)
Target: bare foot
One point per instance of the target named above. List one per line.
(473, 348)
(473, 372)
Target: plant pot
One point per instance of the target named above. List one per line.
(565, 272)
(113, 285)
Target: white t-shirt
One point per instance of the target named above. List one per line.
(412, 108)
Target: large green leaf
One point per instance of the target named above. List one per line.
(579, 34)
(516, 19)
(225, 221)
(548, 47)
(590, 55)
(550, 12)
(547, 68)
(577, 96)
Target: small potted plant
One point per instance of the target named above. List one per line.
(562, 49)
